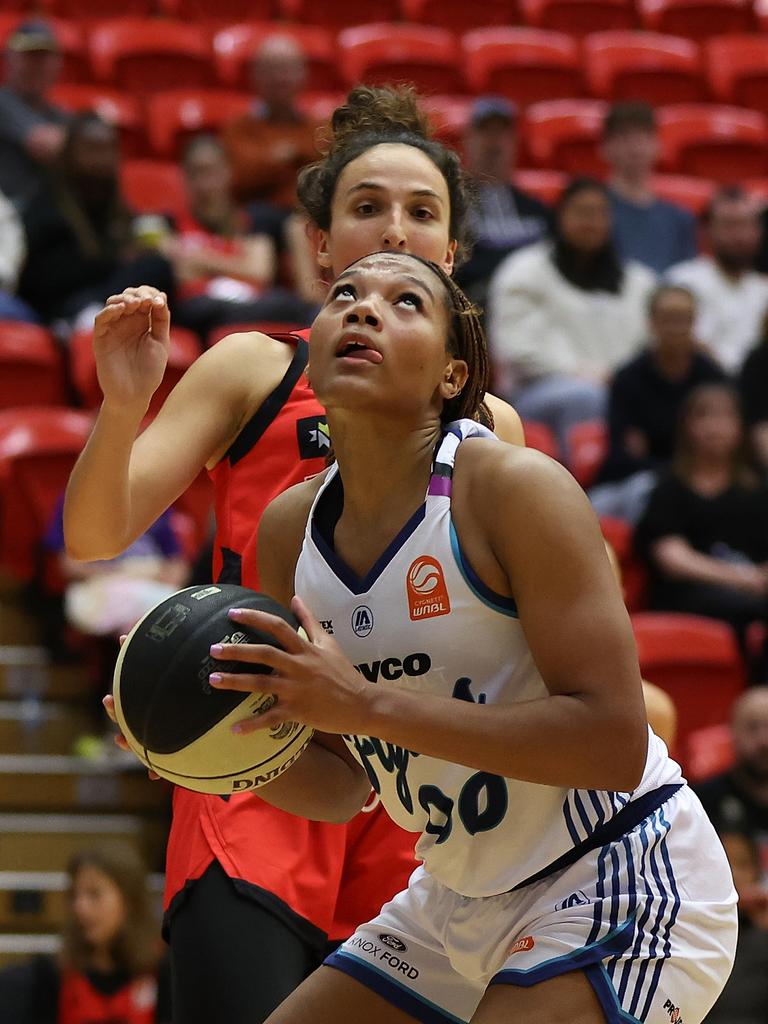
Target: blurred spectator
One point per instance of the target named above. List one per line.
(564, 313)
(705, 531)
(79, 231)
(644, 404)
(503, 217)
(106, 598)
(271, 143)
(224, 267)
(732, 297)
(13, 248)
(737, 800)
(110, 969)
(645, 228)
(32, 129)
(753, 385)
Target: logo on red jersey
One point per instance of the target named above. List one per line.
(522, 945)
(313, 437)
(427, 592)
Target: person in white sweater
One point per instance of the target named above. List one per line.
(13, 250)
(564, 314)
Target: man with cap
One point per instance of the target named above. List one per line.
(504, 218)
(32, 129)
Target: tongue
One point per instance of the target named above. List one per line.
(367, 354)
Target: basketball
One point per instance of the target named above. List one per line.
(174, 720)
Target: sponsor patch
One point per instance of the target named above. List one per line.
(522, 945)
(427, 591)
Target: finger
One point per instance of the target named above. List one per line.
(111, 312)
(161, 314)
(244, 682)
(310, 625)
(122, 742)
(269, 720)
(285, 635)
(253, 654)
(123, 638)
(109, 706)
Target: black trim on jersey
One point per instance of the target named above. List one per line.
(231, 567)
(269, 409)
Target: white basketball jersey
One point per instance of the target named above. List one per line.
(422, 620)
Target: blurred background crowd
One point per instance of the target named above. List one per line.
(619, 157)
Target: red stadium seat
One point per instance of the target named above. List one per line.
(319, 106)
(153, 186)
(149, 55)
(709, 751)
(715, 142)
(118, 108)
(578, 17)
(587, 445)
(185, 348)
(540, 437)
(697, 19)
(338, 14)
(81, 10)
(738, 70)
(38, 447)
(173, 117)
(696, 661)
(757, 187)
(545, 185)
(524, 64)
(634, 575)
(223, 12)
(643, 65)
(75, 64)
(234, 47)
(448, 117)
(692, 193)
(425, 56)
(458, 15)
(566, 134)
(31, 367)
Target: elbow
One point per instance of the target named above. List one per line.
(629, 757)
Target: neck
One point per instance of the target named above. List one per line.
(213, 210)
(383, 465)
(711, 469)
(756, 788)
(636, 188)
(102, 960)
(733, 273)
(673, 364)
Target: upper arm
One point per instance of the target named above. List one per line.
(507, 424)
(548, 542)
(280, 536)
(196, 424)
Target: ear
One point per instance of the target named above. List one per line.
(454, 378)
(449, 260)
(319, 241)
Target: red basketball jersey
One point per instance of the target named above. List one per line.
(303, 863)
(81, 1003)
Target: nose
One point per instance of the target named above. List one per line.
(394, 236)
(362, 312)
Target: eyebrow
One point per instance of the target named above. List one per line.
(406, 277)
(368, 186)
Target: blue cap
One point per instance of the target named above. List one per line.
(487, 107)
(32, 36)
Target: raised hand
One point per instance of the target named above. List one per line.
(131, 341)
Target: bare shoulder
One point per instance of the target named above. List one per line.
(281, 533)
(288, 512)
(507, 424)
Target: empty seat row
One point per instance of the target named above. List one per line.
(694, 18)
(526, 64)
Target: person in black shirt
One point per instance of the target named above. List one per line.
(705, 530)
(753, 386)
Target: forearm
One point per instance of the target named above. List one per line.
(320, 786)
(241, 265)
(97, 507)
(571, 741)
(685, 563)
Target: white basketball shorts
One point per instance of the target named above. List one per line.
(650, 919)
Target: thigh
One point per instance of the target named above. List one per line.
(330, 997)
(567, 999)
(231, 958)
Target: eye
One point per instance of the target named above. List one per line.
(423, 213)
(365, 209)
(344, 290)
(411, 299)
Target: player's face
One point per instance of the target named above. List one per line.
(391, 198)
(379, 342)
(97, 905)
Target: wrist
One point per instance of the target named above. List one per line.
(125, 413)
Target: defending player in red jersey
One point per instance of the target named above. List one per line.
(252, 892)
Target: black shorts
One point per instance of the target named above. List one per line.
(234, 957)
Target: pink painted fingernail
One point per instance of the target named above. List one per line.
(235, 613)
(216, 650)
(238, 727)
(215, 679)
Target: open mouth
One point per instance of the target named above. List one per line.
(357, 348)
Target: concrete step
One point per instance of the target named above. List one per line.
(26, 670)
(58, 782)
(47, 842)
(19, 947)
(34, 726)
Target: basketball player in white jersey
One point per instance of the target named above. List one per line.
(469, 656)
